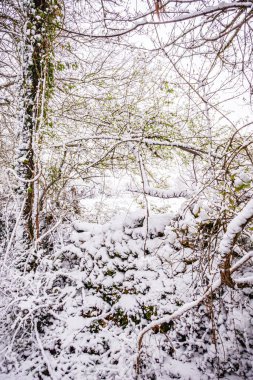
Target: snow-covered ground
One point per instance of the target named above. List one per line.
(90, 299)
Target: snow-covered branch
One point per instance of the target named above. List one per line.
(188, 306)
(186, 15)
(235, 227)
(44, 356)
(154, 192)
(244, 280)
(128, 139)
(164, 194)
(25, 180)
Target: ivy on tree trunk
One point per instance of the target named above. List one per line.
(37, 55)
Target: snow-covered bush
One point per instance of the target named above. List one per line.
(79, 315)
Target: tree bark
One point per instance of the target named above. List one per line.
(37, 55)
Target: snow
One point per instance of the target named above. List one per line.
(73, 305)
(75, 323)
(127, 303)
(234, 227)
(102, 291)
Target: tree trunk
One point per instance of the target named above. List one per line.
(42, 18)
